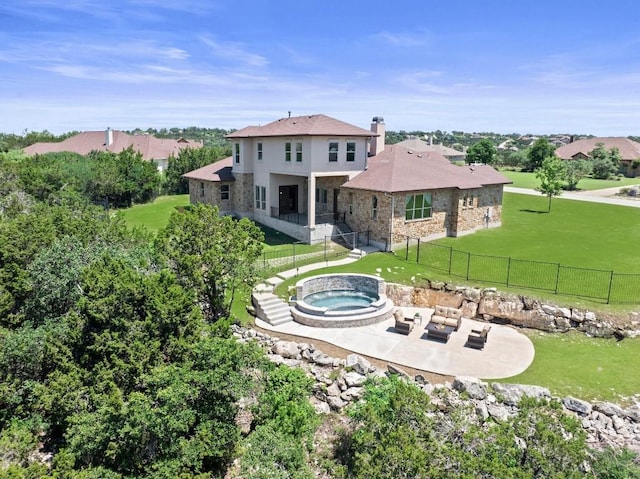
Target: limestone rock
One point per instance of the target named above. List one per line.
(353, 378)
(396, 370)
(511, 394)
(609, 409)
(321, 407)
(577, 405)
(475, 388)
(286, 349)
(358, 364)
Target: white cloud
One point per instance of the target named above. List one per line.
(234, 51)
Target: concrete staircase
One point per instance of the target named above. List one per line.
(270, 308)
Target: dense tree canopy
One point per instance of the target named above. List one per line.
(190, 159)
(540, 151)
(211, 254)
(483, 151)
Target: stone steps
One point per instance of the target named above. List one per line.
(271, 309)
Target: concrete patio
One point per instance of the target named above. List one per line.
(507, 352)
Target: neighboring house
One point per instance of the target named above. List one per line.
(313, 176)
(581, 150)
(416, 144)
(151, 148)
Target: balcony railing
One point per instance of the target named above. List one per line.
(303, 218)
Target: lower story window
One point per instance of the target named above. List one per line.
(374, 207)
(418, 206)
(350, 203)
(201, 189)
(261, 198)
(224, 192)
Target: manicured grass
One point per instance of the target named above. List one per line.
(574, 233)
(567, 364)
(528, 180)
(154, 216)
(588, 368)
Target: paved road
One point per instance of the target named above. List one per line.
(605, 196)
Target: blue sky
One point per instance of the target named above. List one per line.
(563, 66)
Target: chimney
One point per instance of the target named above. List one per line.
(431, 139)
(377, 142)
(108, 137)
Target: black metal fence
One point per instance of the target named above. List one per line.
(606, 285)
(295, 255)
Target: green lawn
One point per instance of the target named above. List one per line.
(574, 233)
(154, 216)
(588, 368)
(528, 180)
(567, 364)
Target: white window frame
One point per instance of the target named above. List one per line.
(225, 192)
(259, 149)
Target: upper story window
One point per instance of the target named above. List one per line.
(224, 192)
(374, 207)
(418, 206)
(299, 151)
(351, 151)
(287, 151)
(333, 151)
(236, 152)
(259, 150)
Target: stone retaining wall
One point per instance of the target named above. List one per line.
(338, 382)
(490, 305)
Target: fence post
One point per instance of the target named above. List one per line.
(264, 260)
(468, 264)
(294, 254)
(325, 248)
(508, 269)
(418, 253)
(450, 257)
(557, 277)
(610, 284)
(406, 254)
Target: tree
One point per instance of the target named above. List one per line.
(551, 175)
(605, 163)
(212, 255)
(189, 159)
(575, 171)
(482, 152)
(540, 150)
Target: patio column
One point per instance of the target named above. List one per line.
(311, 201)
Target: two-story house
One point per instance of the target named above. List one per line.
(305, 175)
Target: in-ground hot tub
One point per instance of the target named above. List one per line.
(341, 300)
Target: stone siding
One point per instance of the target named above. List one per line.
(209, 192)
(450, 215)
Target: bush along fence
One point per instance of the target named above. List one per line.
(298, 254)
(556, 278)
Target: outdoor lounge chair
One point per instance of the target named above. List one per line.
(403, 326)
(478, 338)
